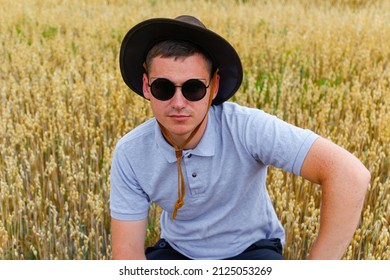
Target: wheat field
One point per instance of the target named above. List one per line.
(322, 65)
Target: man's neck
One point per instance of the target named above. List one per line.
(180, 140)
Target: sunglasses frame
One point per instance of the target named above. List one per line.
(184, 93)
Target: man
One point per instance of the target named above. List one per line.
(204, 160)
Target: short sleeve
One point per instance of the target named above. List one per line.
(128, 201)
(276, 142)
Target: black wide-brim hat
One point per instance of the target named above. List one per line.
(142, 37)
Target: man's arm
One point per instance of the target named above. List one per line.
(344, 181)
(128, 239)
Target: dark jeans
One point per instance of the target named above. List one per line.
(265, 249)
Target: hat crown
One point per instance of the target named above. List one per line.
(191, 20)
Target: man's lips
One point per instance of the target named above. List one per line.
(178, 117)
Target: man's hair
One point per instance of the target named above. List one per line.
(176, 49)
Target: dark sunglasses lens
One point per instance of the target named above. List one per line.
(162, 89)
(193, 90)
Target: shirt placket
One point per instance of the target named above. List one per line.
(195, 173)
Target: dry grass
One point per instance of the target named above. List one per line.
(323, 66)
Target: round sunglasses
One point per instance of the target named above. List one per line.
(192, 89)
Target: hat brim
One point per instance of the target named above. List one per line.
(138, 41)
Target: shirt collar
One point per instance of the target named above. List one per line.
(206, 146)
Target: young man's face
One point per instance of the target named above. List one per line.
(179, 115)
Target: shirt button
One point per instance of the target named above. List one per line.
(194, 174)
(189, 156)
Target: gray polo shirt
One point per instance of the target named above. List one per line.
(227, 207)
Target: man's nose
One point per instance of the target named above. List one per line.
(178, 99)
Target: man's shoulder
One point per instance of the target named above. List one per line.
(139, 135)
(231, 108)
(234, 113)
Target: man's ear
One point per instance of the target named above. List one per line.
(216, 85)
(145, 86)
